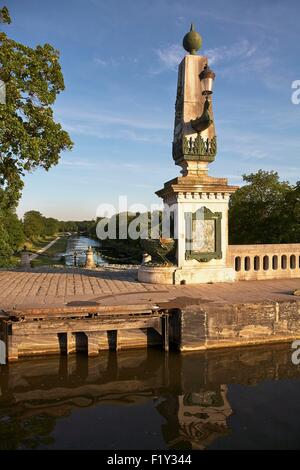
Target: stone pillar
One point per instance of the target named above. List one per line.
(25, 259)
(165, 329)
(70, 343)
(2, 352)
(93, 343)
(90, 263)
(12, 348)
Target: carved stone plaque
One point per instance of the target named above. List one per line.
(203, 238)
(203, 235)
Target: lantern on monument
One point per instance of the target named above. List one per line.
(207, 77)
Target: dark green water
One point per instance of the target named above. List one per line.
(246, 398)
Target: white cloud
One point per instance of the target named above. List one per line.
(90, 126)
(68, 162)
(101, 62)
(106, 62)
(242, 49)
(107, 125)
(105, 117)
(260, 147)
(170, 56)
(243, 56)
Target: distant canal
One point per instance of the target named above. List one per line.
(76, 249)
(240, 398)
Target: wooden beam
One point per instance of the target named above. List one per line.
(78, 311)
(69, 326)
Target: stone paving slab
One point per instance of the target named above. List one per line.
(49, 287)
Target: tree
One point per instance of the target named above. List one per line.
(13, 227)
(11, 231)
(258, 211)
(29, 136)
(51, 226)
(33, 223)
(291, 216)
(5, 249)
(67, 226)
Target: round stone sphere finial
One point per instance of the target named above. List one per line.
(192, 41)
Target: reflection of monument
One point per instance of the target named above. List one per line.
(199, 418)
(199, 202)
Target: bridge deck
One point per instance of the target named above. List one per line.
(72, 290)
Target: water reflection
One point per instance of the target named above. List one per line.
(77, 246)
(146, 399)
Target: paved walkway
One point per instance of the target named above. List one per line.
(46, 287)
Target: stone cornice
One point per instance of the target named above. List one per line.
(196, 188)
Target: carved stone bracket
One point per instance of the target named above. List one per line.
(195, 149)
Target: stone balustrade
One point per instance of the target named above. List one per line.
(255, 262)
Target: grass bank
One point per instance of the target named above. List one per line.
(52, 255)
(40, 243)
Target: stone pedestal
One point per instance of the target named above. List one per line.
(201, 257)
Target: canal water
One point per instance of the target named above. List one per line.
(240, 398)
(76, 249)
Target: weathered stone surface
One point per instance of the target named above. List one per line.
(192, 328)
(234, 324)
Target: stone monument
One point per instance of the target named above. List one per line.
(198, 202)
(90, 262)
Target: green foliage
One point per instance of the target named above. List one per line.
(85, 226)
(14, 229)
(51, 226)
(129, 250)
(11, 231)
(37, 226)
(68, 226)
(29, 136)
(5, 249)
(265, 210)
(4, 15)
(33, 223)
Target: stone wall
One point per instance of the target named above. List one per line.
(221, 325)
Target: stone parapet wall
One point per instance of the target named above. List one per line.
(269, 261)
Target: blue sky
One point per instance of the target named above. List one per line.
(119, 60)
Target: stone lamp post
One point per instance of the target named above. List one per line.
(199, 202)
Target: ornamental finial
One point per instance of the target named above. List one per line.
(192, 41)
